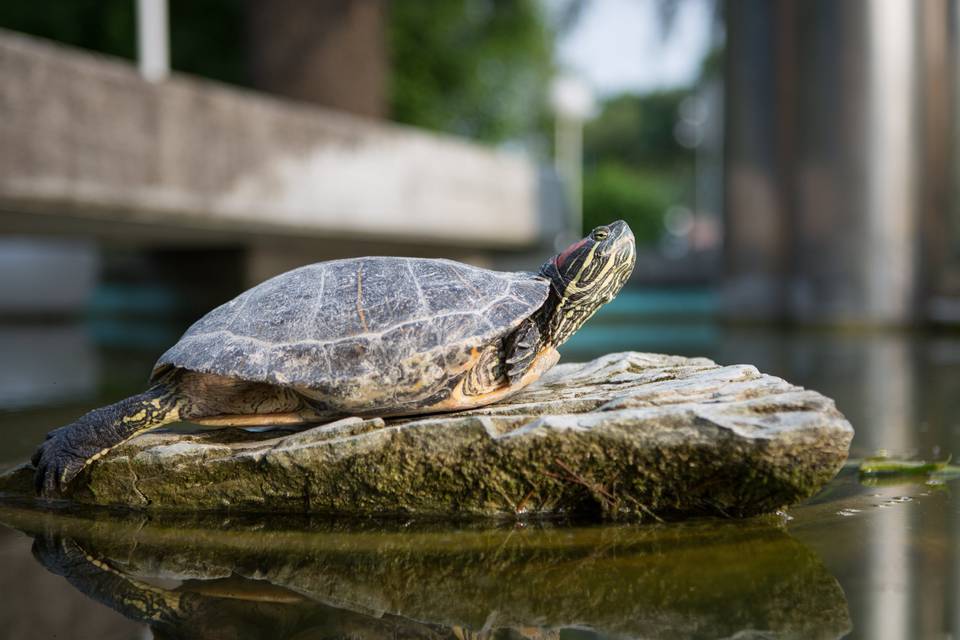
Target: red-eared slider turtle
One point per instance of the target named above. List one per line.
(364, 336)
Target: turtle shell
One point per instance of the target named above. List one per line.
(374, 334)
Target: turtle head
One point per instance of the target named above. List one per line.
(588, 274)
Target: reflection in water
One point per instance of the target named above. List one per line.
(300, 578)
(874, 380)
(888, 390)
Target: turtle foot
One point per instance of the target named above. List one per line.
(67, 450)
(58, 462)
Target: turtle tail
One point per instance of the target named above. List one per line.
(68, 450)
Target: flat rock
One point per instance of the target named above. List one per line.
(625, 435)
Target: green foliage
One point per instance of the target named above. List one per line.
(206, 38)
(614, 191)
(107, 26)
(634, 167)
(477, 68)
(712, 65)
(637, 130)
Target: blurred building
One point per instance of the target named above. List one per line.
(152, 171)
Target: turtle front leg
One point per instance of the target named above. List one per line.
(522, 347)
(69, 449)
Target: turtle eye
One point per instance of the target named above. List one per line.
(600, 233)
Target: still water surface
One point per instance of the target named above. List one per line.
(859, 560)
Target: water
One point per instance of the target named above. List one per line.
(858, 560)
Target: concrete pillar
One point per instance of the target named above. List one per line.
(941, 247)
(833, 162)
(754, 226)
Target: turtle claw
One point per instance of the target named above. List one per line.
(67, 450)
(56, 465)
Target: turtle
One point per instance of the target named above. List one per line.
(371, 336)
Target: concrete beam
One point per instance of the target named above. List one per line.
(85, 139)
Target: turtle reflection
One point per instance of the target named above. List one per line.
(231, 607)
(201, 579)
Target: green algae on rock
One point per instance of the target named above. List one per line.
(625, 435)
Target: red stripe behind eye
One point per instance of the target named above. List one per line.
(562, 258)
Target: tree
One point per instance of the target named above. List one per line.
(635, 168)
(476, 68)
(206, 38)
(638, 130)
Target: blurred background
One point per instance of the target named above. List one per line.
(790, 169)
(159, 157)
(214, 144)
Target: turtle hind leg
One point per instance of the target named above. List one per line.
(222, 401)
(69, 449)
(267, 406)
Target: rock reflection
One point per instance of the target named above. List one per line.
(285, 578)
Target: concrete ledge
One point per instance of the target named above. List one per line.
(85, 137)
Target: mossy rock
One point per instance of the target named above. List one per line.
(628, 435)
